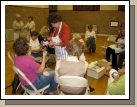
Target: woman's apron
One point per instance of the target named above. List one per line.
(60, 52)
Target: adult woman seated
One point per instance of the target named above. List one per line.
(116, 82)
(116, 48)
(122, 26)
(33, 71)
(71, 66)
(36, 48)
(90, 37)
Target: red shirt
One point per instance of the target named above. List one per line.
(64, 35)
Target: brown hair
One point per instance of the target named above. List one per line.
(74, 47)
(90, 27)
(54, 18)
(31, 17)
(20, 46)
(34, 33)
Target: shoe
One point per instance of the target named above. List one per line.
(91, 89)
(22, 92)
(46, 92)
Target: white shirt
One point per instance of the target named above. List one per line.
(118, 47)
(17, 25)
(34, 44)
(69, 58)
(88, 34)
(31, 25)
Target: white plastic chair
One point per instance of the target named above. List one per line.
(76, 35)
(73, 81)
(104, 47)
(35, 91)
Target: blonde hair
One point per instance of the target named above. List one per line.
(18, 15)
(43, 30)
(24, 33)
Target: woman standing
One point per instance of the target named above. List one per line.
(17, 26)
(60, 36)
(31, 24)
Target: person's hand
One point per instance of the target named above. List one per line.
(45, 48)
(82, 41)
(46, 73)
(45, 43)
(51, 43)
(91, 36)
(121, 71)
(116, 78)
(40, 48)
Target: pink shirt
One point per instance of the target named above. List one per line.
(28, 66)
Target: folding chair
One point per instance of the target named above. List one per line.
(74, 81)
(35, 91)
(11, 56)
(110, 39)
(76, 35)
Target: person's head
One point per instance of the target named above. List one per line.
(30, 18)
(44, 31)
(20, 46)
(90, 27)
(34, 35)
(25, 34)
(54, 19)
(18, 17)
(122, 25)
(74, 48)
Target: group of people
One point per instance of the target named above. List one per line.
(116, 81)
(18, 25)
(68, 51)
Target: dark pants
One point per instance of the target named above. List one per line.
(110, 51)
(91, 44)
(121, 59)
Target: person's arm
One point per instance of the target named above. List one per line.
(86, 35)
(56, 71)
(32, 25)
(27, 25)
(65, 37)
(117, 87)
(42, 66)
(121, 71)
(36, 50)
(116, 78)
(15, 27)
(94, 35)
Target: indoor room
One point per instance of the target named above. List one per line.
(107, 24)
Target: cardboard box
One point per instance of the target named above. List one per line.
(97, 73)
